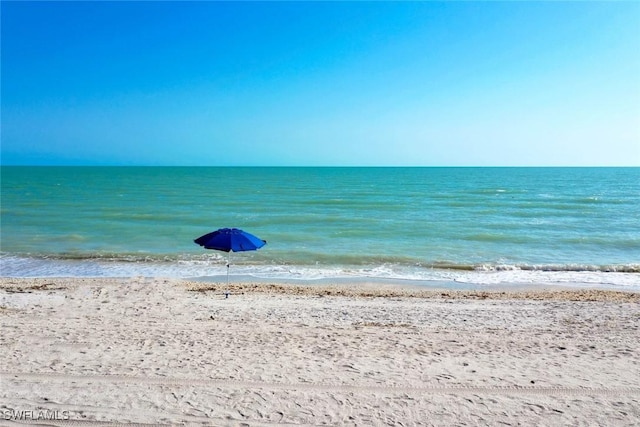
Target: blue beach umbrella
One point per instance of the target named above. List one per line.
(230, 240)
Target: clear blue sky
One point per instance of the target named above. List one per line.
(321, 83)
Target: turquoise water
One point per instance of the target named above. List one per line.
(481, 225)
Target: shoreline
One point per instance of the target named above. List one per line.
(345, 288)
(166, 351)
(419, 284)
(611, 277)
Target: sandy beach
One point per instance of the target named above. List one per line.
(139, 351)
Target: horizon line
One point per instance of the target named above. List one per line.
(313, 166)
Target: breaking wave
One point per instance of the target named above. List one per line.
(212, 265)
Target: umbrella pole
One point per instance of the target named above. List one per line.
(226, 294)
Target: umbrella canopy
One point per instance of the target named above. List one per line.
(230, 239)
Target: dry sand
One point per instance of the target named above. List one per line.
(160, 351)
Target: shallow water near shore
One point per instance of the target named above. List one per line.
(483, 226)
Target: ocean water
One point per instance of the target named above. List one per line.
(480, 226)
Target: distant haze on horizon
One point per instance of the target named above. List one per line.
(320, 83)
